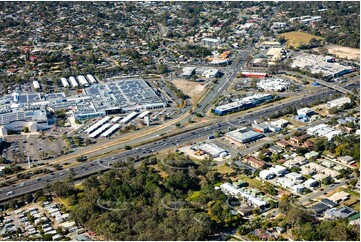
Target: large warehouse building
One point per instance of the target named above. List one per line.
(338, 102)
(320, 64)
(244, 136)
(244, 103)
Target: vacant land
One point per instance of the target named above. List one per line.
(296, 38)
(223, 169)
(344, 52)
(190, 88)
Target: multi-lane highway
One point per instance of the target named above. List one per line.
(87, 168)
(224, 82)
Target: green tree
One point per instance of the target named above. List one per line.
(26, 129)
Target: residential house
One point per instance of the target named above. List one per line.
(310, 183)
(312, 154)
(347, 160)
(256, 163)
(267, 174)
(328, 202)
(339, 196)
(275, 149)
(308, 144)
(279, 170)
(291, 163)
(264, 235)
(301, 160)
(299, 188)
(295, 177)
(343, 212)
(319, 208)
(282, 144)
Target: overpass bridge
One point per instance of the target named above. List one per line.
(335, 87)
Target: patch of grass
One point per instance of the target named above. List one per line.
(64, 202)
(296, 38)
(224, 169)
(253, 182)
(356, 206)
(353, 193)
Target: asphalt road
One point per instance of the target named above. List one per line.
(305, 199)
(224, 82)
(87, 168)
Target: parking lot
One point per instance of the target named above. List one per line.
(17, 149)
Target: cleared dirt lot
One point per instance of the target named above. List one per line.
(344, 52)
(190, 88)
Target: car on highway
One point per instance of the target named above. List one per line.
(10, 193)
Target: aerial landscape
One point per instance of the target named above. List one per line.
(190, 121)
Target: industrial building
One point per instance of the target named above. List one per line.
(83, 81)
(116, 97)
(111, 131)
(320, 64)
(73, 82)
(305, 111)
(18, 109)
(212, 150)
(211, 73)
(244, 136)
(36, 85)
(64, 82)
(273, 85)
(281, 123)
(97, 125)
(261, 128)
(142, 115)
(323, 130)
(254, 74)
(241, 104)
(100, 130)
(128, 118)
(338, 102)
(115, 119)
(188, 71)
(91, 78)
(201, 71)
